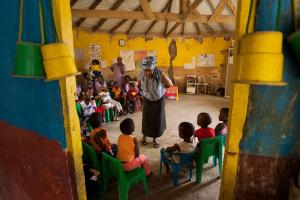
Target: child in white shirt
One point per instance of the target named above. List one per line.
(188, 145)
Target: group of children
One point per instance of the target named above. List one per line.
(127, 148)
(110, 99)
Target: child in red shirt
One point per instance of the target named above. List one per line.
(132, 97)
(204, 120)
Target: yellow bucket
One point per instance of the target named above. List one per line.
(58, 61)
(261, 42)
(260, 59)
(261, 68)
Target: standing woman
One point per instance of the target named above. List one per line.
(153, 83)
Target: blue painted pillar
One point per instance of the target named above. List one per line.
(270, 146)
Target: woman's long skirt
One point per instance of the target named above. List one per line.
(154, 118)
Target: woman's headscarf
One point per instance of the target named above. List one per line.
(149, 62)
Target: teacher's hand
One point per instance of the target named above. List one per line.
(166, 80)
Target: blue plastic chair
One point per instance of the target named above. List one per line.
(185, 160)
(224, 144)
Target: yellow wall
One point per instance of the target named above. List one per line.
(186, 48)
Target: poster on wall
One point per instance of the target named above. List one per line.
(128, 59)
(138, 58)
(140, 55)
(94, 52)
(206, 60)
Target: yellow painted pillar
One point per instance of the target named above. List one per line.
(63, 23)
(238, 106)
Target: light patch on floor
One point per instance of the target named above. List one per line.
(160, 187)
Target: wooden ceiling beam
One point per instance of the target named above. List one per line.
(115, 6)
(190, 9)
(154, 22)
(137, 15)
(217, 11)
(91, 7)
(173, 28)
(186, 35)
(139, 8)
(147, 9)
(73, 2)
(167, 23)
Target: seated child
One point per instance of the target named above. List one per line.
(98, 106)
(87, 107)
(132, 97)
(128, 149)
(98, 138)
(221, 128)
(204, 120)
(109, 103)
(125, 85)
(99, 83)
(188, 145)
(86, 81)
(117, 92)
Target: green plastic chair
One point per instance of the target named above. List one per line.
(205, 149)
(79, 110)
(126, 180)
(90, 154)
(224, 144)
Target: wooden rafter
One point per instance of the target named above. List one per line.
(102, 21)
(175, 35)
(232, 7)
(147, 9)
(183, 6)
(217, 12)
(167, 23)
(190, 9)
(174, 27)
(182, 28)
(154, 22)
(72, 2)
(92, 6)
(131, 26)
(197, 28)
(211, 6)
(124, 20)
(117, 26)
(137, 15)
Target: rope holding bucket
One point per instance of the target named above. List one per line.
(58, 61)
(28, 59)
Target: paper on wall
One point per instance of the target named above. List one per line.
(191, 65)
(206, 60)
(128, 59)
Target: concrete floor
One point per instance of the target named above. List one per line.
(160, 187)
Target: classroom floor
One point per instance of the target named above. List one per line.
(160, 187)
